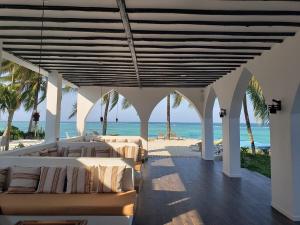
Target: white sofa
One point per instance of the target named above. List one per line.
(99, 208)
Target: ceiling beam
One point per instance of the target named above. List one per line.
(68, 44)
(229, 12)
(136, 39)
(161, 22)
(90, 51)
(160, 32)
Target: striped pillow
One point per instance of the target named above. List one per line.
(102, 153)
(24, 179)
(131, 152)
(80, 180)
(88, 152)
(116, 152)
(52, 180)
(110, 178)
(3, 178)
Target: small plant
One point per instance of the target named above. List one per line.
(20, 145)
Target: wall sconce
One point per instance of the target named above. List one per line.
(276, 106)
(222, 113)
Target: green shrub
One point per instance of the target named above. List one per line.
(260, 163)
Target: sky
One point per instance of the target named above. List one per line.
(183, 113)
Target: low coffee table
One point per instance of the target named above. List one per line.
(69, 222)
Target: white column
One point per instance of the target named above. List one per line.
(53, 106)
(144, 130)
(207, 139)
(285, 163)
(231, 147)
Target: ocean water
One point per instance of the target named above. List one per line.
(185, 130)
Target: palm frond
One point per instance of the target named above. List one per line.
(74, 111)
(177, 99)
(255, 93)
(125, 104)
(114, 99)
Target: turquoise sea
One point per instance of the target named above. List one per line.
(186, 130)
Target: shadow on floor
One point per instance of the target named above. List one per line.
(193, 191)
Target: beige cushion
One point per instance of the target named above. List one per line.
(74, 153)
(52, 180)
(24, 179)
(44, 152)
(110, 178)
(131, 152)
(3, 178)
(80, 180)
(88, 152)
(53, 152)
(117, 152)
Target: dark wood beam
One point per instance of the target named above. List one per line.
(90, 51)
(235, 12)
(150, 39)
(49, 60)
(122, 6)
(58, 8)
(161, 22)
(148, 32)
(68, 44)
(142, 57)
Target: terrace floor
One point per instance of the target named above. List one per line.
(188, 190)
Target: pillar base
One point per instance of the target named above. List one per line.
(232, 175)
(294, 218)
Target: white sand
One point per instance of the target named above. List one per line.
(184, 148)
(25, 142)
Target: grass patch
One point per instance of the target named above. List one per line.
(259, 163)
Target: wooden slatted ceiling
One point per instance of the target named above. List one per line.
(164, 44)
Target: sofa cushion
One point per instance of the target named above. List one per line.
(3, 178)
(106, 204)
(52, 180)
(110, 178)
(88, 152)
(23, 179)
(80, 180)
(131, 152)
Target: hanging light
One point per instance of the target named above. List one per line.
(101, 117)
(117, 120)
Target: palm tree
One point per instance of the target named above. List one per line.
(11, 98)
(168, 136)
(33, 84)
(261, 112)
(109, 100)
(249, 130)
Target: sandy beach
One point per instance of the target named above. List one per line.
(174, 148)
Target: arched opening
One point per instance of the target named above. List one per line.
(254, 130)
(68, 118)
(182, 117)
(114, 115)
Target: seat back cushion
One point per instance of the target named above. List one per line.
(110, 178)
(23, 179)
(80, 180)
(3, 178)
(52, 180)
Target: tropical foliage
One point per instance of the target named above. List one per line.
(256, 96)
(33, 86)
(261, 113)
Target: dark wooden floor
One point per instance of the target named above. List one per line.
(193, 191)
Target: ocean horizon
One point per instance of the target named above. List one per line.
(181, 129)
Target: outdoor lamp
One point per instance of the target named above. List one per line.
(222, 113)
(276, 106)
